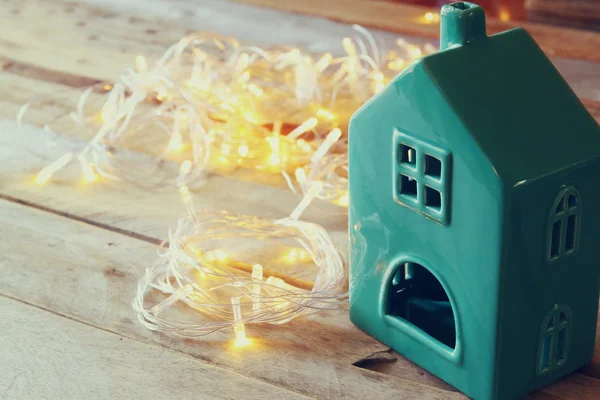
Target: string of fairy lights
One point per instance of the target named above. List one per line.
(211, 103)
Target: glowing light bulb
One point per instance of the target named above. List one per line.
(109, 112)
(274, 159)
(216, 255)
(179, 294)
(255, 90)
(238, 328)
(324, 62)
(46, 173)
(141, 65)
(243, 150)
(43, 176)
(89, 175)
(415, 52)
(303, 127)
(107, 87)
(325, 114)
(397, 64)
(176, 142)
(349, 47)
(225, 149)
(344, 200)
(431, 17)
(504, 15)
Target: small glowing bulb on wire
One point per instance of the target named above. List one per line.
(109, 112)
(329, 141)
(303, 127)
(344, 200)
(176, 142)
(324, 62)
(313, 192)
(238, 328)
(243, 150)
(179, 294)
(141, 65)
(186, 197)
(349, 47)
(325, 114)
(46, 173)
(88, 173)
(255, 90)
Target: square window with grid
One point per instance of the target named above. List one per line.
(422, 177)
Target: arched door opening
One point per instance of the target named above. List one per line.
(415, 295)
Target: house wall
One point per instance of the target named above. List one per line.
(465, 253)
(531, 286)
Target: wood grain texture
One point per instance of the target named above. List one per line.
(102, 43)
(87, 270)
(89, 275)
(408, 19)
(47, 356)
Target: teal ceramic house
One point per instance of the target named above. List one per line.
(475, 213)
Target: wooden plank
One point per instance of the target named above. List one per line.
(409, 19)
(46, 356)
(102, 43)
(89, 274)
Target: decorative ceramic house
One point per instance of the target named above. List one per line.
(474, 213)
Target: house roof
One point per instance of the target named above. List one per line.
(514, 103)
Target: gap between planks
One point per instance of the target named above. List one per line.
(105, 365)
(74, 273)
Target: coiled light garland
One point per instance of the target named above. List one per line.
(223, 105)
(211, 103)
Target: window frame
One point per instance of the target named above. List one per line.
(553, 332)
(417, 171)
(563, 216)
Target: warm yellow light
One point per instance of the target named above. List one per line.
(241, 340)
(349, 47)
(243, 150)
(109, 112)
(176, 143)
(415, 52)
(43, 176)
(216, 255)
(141, 65)
(227, 107)
(504, 15)
(274, 159)
(397, 64)
(344, 200)
(249, 116)
(326, 114)
(431, 17)
(297, 254)
(223, 160)
(225, 149)
(255, 90)
(89, 175)
(107, 87)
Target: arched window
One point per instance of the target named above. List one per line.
(554, 339)
(564, 225)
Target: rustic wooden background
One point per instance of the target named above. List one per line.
(71, 254)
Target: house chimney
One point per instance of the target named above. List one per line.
(461, 23)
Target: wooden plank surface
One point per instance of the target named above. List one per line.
(409, 19)
(47, 356)
(88, 273)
